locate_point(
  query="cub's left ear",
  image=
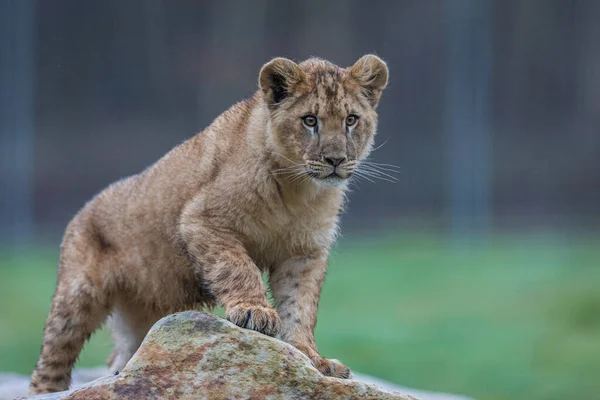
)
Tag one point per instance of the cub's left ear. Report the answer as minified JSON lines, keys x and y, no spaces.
{"x":277,"y":79}
{"x":371,"y":72}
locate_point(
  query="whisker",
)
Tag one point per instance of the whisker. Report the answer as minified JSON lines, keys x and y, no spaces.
{"x":287,"y":170}
{"x":380,"y":164}
{"x":378,"y":168}
{"x":375,"y":171}
{"x":288,"y":174}
{"x":354,"y":180}
{"x":298,"y":177}
{"x":306,"y":179}
{"x":284,"y":171}
{"x":376,"y":175}
{"x":380,"y":146}
{"x":282,"y":156}
{"x":359,"y":174}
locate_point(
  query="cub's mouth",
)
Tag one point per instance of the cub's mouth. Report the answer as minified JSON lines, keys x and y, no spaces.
{"x":334,"y":178}
{"x":329,"y":171}
{"x":335,"y":175}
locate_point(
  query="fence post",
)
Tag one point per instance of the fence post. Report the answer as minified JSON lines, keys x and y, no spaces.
{"x":17,"y":125}
{"x":468,"y":136}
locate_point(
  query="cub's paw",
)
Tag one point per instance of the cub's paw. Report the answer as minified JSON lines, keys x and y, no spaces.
{"x":262,"y":319}
{"x":332,"y":368}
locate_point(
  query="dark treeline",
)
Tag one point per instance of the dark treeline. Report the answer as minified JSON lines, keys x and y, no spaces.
{"x":118,"y":83}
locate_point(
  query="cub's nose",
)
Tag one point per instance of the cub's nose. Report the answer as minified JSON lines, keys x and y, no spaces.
{"x":335,"y":161}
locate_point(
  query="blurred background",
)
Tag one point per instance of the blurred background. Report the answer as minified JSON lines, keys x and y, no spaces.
{"x":478,"y":272}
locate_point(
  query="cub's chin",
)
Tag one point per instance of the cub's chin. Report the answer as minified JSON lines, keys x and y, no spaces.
{"x":331,"y":180}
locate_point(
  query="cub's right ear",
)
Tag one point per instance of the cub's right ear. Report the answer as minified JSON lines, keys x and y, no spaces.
{"x":277,"y":79}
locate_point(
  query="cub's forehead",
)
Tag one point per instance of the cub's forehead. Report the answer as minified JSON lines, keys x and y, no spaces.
{"x":330,"y":88}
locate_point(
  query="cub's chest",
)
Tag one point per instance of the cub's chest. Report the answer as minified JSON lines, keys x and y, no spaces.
{"x":290,"y":230}
{"x":274,"y":223}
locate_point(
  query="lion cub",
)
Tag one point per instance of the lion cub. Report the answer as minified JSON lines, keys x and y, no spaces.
{"x":259,"y":190}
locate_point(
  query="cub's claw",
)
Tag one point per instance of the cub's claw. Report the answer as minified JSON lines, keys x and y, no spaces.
{"x":262,"y":319}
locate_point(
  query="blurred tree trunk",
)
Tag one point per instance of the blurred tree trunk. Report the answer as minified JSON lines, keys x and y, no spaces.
{"x":16,"y":119}
{"x":230,"y":30}
{"x":157,"y":52}
{"x":588,"y":100}
{"x":467,"y":116}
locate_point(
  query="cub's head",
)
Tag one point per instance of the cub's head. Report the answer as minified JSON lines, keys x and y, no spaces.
{"x":322,"y":118}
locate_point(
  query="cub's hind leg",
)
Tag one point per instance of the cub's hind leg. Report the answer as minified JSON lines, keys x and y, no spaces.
{"x":79,"y":307}
{"x":129,"y":325}
{"x":74,"y":316}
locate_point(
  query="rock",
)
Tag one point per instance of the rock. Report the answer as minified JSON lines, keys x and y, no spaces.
{"x":192,"y":355}
{"x":421,"y":394}
{"x":14,"y":385}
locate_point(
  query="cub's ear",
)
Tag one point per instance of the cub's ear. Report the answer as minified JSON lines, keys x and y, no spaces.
{"x":277,"y":79}
{"x":371,"y":72}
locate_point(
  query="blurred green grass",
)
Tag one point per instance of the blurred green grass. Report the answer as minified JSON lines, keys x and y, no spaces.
{"x":517,"y":318}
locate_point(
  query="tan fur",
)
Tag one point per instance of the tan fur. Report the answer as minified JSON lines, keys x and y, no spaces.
{"x":251,"y":193}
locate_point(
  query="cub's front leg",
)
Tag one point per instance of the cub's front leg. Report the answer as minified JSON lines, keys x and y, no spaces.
{"x":296,"y":286}
{"x":232,"y":278}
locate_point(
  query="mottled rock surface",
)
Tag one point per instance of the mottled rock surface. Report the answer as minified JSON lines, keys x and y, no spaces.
{"x":192,"y":355}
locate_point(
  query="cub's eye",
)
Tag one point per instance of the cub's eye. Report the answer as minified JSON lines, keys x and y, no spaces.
{"x":351,"y":120}
{"x":310,"y":120}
